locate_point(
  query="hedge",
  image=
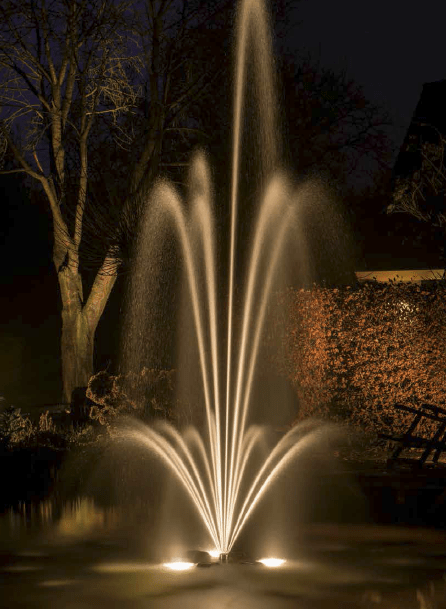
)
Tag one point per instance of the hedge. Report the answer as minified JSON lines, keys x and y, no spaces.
{"x":353,"y":352}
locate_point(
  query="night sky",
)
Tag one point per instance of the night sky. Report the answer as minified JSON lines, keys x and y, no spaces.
{"x":390,"y":47}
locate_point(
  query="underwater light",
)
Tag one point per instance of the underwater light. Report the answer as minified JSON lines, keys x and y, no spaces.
{"x":272,"y":562}
{"x":178,"y":565}
{"x":214,"y":553}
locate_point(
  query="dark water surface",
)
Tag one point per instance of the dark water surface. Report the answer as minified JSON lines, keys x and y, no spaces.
{"x":89,"y":559}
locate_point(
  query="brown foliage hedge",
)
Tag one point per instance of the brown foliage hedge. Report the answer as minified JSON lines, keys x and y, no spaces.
{"x":353,"y":352}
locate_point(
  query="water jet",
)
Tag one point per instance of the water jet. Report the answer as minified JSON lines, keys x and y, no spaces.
{"x":223,"y":465}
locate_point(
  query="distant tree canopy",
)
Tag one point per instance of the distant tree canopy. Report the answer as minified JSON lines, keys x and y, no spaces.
{"x":332,"y":127}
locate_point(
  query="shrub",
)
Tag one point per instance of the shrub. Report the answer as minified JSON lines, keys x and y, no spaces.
{"x":147,"y":395}
{"x":352,"y":353}
{"x":14,"y":427}
{"x":46,"y":423}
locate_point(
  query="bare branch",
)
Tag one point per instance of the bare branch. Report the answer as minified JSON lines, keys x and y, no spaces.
{"x":422,"y":193}
{"x":5,"y":172}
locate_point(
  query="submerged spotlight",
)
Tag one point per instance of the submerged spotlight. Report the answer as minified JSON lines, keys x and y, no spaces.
{"x":214,"y":553}
{"x":272,"y":562}
{"x":178,"y":565}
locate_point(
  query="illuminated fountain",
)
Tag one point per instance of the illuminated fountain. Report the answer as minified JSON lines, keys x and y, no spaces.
{"x":219,"y":466}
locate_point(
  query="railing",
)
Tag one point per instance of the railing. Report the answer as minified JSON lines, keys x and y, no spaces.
{"x":435,"y":444}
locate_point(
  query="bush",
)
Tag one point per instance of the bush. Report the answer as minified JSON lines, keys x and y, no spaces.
{"x":14,"y":427}
{"x":355,"y":352}
{"x":147,"y":395}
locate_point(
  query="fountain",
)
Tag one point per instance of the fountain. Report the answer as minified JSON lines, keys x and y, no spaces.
{"x":224,"y":463}
{"x":218,"y":466}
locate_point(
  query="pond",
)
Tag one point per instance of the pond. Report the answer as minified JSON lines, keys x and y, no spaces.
{"x":81,"y":555}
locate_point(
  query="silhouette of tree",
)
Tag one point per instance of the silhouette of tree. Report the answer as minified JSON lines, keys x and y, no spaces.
{"x":332,"y":127}
{"x":76,"y":76}
{"x":422,"y":192}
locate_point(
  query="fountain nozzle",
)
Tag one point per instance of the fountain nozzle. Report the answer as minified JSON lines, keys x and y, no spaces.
{"x":224,"y":558}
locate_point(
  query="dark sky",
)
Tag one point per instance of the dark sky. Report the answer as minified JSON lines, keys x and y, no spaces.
{"x":390,"y":47}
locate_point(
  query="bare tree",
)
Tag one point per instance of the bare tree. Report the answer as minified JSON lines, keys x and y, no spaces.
{"x":63,"y":63}
{"x":422,"y":192}
{"x":75,"y":73}
{"x":332,"y":126}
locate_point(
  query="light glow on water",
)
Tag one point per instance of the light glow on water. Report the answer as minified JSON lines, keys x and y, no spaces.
{"x":272,"y":562}
{"x":178,"y":565}
{"x":21,"y":568}
{"x":123,"y":567}
{"x":214,"y":553}
{"x":57,"y":583}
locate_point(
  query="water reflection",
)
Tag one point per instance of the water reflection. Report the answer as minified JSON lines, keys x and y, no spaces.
{"x":84,"y":518}
{"x":80,"y":518}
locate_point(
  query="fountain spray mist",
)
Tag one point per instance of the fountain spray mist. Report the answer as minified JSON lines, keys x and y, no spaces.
{"x":219,"y":466}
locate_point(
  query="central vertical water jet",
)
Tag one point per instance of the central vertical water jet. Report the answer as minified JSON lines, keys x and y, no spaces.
{"x":252,"y":24}
{"x":221,"y":467}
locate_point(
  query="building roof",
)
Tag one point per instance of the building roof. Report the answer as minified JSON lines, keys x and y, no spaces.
{"x":405,"y":276}
{"x":428,"y":124}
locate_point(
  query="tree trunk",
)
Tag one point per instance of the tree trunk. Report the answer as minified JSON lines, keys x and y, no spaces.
{"x":77,"y":347}
{"x":79,"y":323}
{"x":77,"y":337}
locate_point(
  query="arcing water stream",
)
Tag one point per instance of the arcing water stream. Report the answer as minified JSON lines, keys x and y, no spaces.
{"x":219,"y":467}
